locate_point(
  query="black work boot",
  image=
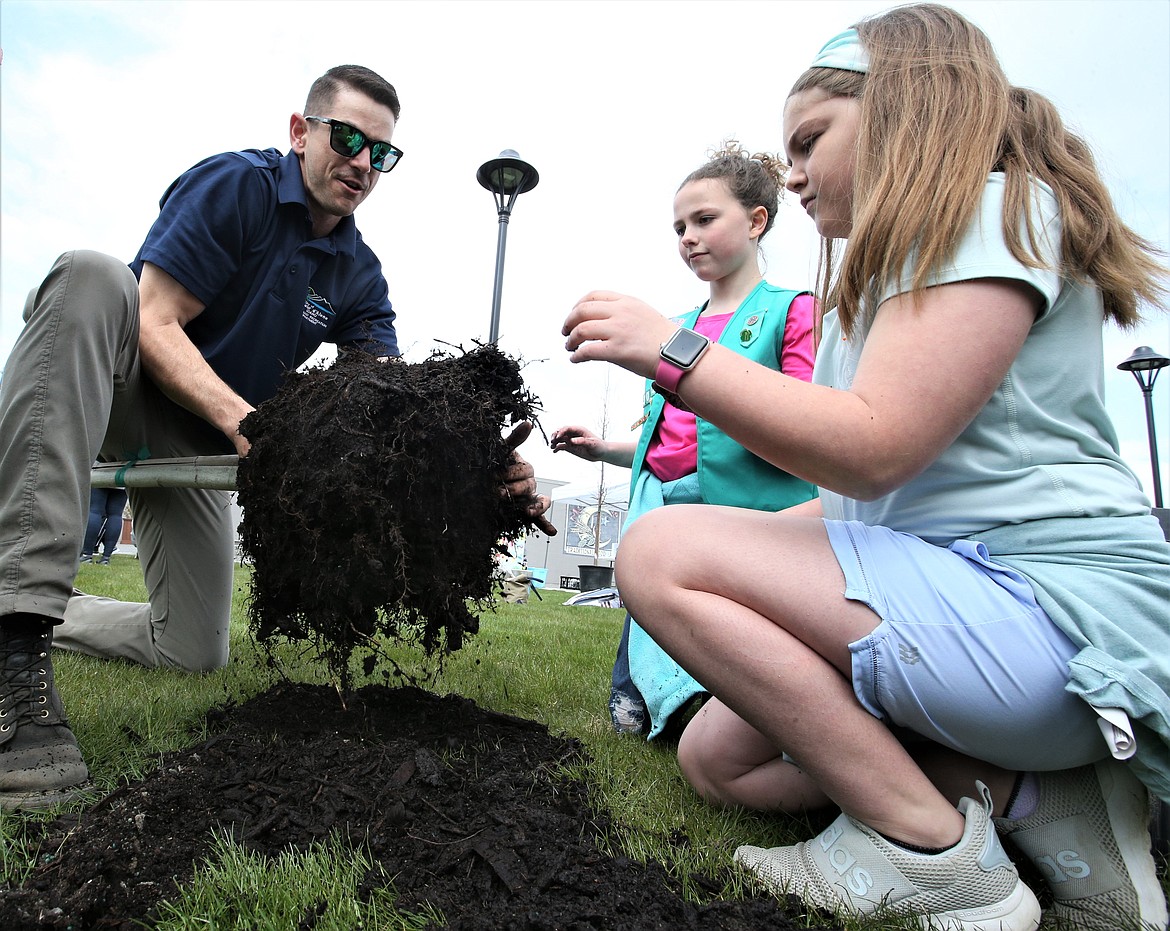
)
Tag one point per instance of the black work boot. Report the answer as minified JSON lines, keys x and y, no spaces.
{"x":40,"y":763}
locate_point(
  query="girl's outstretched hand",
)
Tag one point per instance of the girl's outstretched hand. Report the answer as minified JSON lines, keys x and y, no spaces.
{"x":612,"y":327}
{"x":580,"y":441}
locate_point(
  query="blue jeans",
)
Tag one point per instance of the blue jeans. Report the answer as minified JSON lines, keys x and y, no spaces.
{"x":105,"y":511}
{"x":627,"y":707}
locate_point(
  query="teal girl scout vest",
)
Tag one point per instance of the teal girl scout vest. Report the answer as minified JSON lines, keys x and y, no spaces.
{"x":728,"y":473}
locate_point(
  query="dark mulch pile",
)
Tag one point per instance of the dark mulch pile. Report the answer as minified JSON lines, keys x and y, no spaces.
{"x":372,"y":500}
{"x":467,"y":809}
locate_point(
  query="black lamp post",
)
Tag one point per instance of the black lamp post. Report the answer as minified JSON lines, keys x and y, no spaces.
{"x":507,"y":177}
{"x":1145,"y":365}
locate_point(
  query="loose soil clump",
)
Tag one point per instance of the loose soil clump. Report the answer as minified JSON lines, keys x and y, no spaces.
{"x":469,"y":811}
{"x":372,"y":500}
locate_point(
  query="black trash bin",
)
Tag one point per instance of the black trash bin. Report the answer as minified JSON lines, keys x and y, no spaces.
{"x":595,"y":577}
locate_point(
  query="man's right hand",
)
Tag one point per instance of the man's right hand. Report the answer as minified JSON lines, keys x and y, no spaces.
{"x":241,"y":443}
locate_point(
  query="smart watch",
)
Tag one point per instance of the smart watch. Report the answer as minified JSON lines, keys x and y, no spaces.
{"x":678,"y":356}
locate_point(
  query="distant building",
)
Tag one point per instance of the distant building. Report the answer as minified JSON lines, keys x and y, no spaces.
{"x":588,"y":530}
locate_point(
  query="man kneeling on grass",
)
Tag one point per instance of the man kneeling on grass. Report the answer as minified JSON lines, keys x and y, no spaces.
{"x":253,"y":262}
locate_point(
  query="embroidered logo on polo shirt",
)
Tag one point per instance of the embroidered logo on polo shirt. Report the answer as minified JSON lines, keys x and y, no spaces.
{"x":317,"y":309}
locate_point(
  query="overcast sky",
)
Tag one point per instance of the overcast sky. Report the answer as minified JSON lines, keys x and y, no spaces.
{"x":103,"y":104}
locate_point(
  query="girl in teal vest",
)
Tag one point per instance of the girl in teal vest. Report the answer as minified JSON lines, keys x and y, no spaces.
{"x":721,"y":213}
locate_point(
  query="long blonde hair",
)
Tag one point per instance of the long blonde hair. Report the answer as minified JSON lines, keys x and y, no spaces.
{"x":937,"y":116}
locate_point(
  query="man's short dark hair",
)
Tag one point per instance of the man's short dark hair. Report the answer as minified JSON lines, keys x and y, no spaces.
{"x":356,"y":77}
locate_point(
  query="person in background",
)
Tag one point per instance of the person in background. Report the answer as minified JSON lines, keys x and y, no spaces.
{"x":722,"y":212}
{"x":253,"y":262}
{"x":105,"y":524}
{"x":967,"y":635}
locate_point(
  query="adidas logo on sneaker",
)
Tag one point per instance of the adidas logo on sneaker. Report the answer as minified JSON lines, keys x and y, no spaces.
{"x":1063,"y":866}
{"x":857,"y":879}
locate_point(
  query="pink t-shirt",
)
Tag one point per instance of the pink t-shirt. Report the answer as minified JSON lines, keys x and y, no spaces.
{"x":673,"y":450}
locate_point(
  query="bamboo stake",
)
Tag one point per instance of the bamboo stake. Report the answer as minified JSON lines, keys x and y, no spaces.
{"x":193,"y":472}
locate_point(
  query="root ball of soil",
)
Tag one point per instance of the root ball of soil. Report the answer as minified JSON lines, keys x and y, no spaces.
{"x":372,"y":499}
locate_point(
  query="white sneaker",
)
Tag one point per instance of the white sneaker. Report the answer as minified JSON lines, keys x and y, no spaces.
{"x":1089,"y":837}
{"x":850,"y":869}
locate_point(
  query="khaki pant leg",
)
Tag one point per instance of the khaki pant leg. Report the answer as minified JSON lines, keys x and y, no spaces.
{"x":80,"y":339}
{"x":73,"y":388}
{"x":185,"y":538}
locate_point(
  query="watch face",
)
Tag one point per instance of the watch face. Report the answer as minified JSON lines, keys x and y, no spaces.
{"x":684,"y":348}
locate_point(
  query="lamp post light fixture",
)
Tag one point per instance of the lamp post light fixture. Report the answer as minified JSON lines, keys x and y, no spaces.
{"x":1145,"y":365}
{"x":507,"y":177}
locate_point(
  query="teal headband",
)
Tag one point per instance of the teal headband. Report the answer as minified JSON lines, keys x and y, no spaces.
{"x":844,"y":52}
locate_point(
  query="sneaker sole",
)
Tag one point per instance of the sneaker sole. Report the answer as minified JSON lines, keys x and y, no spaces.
{"x":49,"y":798}
{"x":1018,"y":912}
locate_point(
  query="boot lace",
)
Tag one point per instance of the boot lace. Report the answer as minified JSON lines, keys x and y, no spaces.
{"x":24,"y":687}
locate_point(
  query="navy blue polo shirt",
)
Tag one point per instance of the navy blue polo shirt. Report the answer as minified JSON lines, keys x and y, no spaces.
{"x":235,"y":231}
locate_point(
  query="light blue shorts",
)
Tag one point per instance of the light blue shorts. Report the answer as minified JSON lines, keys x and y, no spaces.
{"x":964,"y":655}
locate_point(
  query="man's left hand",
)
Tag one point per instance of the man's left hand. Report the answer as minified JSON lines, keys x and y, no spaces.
{"x":519,"y":483}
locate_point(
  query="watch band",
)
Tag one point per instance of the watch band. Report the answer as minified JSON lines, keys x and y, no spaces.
{"x":678,"y":356}
{"x":668,"y":375}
